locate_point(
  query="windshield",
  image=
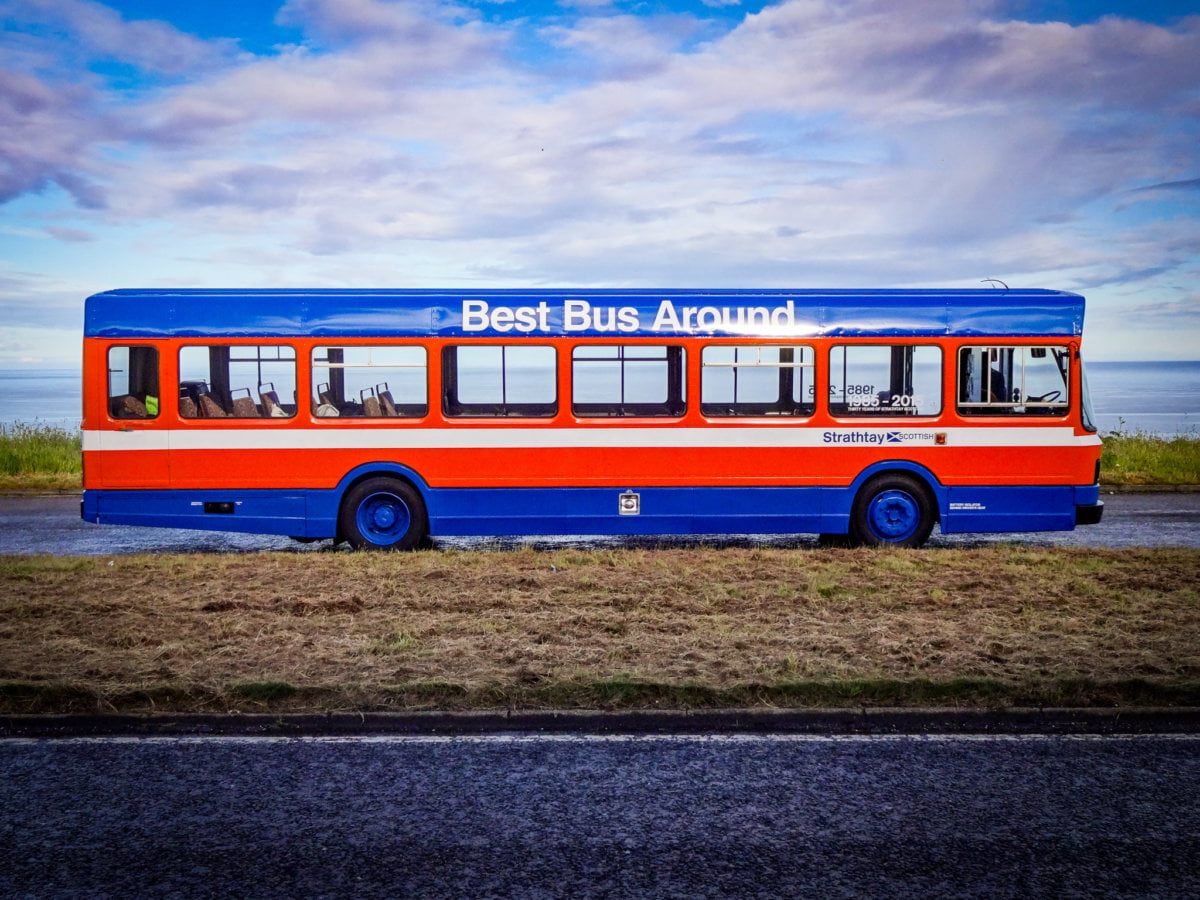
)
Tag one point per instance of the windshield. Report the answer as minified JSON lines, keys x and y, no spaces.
{"x":1089,"y":417}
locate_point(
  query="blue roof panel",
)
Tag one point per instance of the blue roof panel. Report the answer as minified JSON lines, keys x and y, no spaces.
{"x":590,"y":313}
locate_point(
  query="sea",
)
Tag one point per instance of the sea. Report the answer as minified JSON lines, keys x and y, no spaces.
{"x":1156,"y":398}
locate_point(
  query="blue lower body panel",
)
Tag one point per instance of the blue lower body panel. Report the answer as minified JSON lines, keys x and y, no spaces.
{"x":607,"y":511}
{"x":999,"y":509}
{"x":752,"y":510}
{"x":252,"y":512}
{"x":490,"y":511}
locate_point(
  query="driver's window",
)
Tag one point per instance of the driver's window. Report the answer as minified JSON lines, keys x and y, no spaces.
{"x":1014,"y":381}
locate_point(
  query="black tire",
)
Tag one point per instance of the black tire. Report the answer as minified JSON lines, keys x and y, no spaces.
{"x":383,"y":513}
{"x":896,"y":510}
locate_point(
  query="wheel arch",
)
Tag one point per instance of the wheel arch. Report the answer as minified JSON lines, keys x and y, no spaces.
{"x":372,"y":469}
{"x":382,"y":507}
{"x":893,"y":466}
{"x":361,"y":473}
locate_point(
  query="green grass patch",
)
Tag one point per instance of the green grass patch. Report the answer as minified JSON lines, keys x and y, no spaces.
{"x":262,"y":691}
{"x":39,"y":457}
{"x":45,"y":458}
{"x":1137,"y":458}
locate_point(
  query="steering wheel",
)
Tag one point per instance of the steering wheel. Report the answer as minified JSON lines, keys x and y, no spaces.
{"x":1049,"y":397}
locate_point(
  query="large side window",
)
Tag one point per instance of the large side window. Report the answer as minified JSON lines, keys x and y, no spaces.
{"x":237,"y":381}
{"x":627,"y":380}
{"x":885,"y":380}
{"x":370,"y":382}
{"x":499,"y":380}
{"x":133,"y":382}
{"x":1013,"y":381}
{"x":757,"y":381}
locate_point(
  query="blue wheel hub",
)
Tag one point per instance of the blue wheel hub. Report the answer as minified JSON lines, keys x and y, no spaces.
{"x":383,"y":518}
{"x":894,"y":515}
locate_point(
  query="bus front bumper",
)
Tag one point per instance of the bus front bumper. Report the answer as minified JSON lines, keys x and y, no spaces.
{"x":1089,"y":513}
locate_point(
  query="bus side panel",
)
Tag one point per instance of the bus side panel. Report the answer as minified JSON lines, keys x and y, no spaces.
{"x":250,"y":512}
{"x":998,"y":509}
{"x":549,"y":511}
{"x":770,"y":510}
{"x":554,"y":463}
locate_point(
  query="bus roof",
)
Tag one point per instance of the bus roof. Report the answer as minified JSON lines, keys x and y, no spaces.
{"x":326,"y":313}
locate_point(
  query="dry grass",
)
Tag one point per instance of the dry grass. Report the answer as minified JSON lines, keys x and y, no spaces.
{"x":675,"y":627}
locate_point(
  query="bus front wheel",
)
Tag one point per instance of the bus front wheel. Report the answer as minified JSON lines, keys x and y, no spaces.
{"x":893,"y":510}
{"x":383,"y":514}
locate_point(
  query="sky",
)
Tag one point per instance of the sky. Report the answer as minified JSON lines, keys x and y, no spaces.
{"x":588,"y":143}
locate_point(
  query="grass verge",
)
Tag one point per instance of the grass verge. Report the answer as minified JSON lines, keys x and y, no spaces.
{"x":620,"y":629}
{"x":43,"y":458}
{"x":39,"y":457}
{"x":1134,"y":458}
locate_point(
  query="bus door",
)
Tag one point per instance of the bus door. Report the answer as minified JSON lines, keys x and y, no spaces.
{"x":133,"y":441}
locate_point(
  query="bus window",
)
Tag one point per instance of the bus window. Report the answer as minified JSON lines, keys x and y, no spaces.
{"x":369,"y":382}
{"x":627,"y":380}
{"x":1013,"y":381}
{"x":237,"y":381}
{"x":757,"y":381}
{"x":885,"y":380}
{"x":499,"y":380}
{"x":133,"y":382}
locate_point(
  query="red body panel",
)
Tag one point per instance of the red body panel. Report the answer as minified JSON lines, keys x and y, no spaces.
{"x":304,"y":451}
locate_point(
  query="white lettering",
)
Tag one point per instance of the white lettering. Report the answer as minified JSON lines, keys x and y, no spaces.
{"x":478,"y":316}
{"x":754,"y":316}
{"x":666,"y":319}
{"x":604,"y":318}
{"x":526,"y":317}
{"x":475,"y":315}
{"x":576,"y":315}
{"x":627,"y":319}
{"x":502,"y":318}
{"x":710,"y":317}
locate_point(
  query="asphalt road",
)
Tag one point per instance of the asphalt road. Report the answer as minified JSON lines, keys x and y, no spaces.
{"x":51,"y":524}
{"x":575,"y":816}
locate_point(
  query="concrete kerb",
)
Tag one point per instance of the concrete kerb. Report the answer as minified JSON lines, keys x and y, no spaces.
{"x":1149,"y":488}
{"x":1109,"y":721}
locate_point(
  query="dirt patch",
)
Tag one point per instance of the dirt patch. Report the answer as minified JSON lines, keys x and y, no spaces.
{"x":677,"y":627}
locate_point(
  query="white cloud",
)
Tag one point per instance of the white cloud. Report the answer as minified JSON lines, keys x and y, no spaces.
{"x":816,"y":142}
{"x":86,"y":29}
{"x":47,"y":134}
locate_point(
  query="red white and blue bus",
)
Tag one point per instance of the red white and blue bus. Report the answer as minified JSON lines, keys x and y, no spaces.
{"x":383,"y":417}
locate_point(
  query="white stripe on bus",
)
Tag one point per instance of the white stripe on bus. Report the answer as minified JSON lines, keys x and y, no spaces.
{"x":475,"y":438}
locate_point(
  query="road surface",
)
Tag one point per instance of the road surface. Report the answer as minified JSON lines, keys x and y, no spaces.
{"x":580,"y":816}
{"x":42,"y":524}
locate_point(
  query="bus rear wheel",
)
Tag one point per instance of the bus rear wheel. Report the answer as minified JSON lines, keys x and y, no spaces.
{"x":383,"y":514}
{"x":893,"y":510}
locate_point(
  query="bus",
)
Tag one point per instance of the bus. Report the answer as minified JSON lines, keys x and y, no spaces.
{"x":383,"y":418}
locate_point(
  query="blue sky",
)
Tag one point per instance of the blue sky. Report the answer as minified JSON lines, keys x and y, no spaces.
{"x":807,"y":143}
